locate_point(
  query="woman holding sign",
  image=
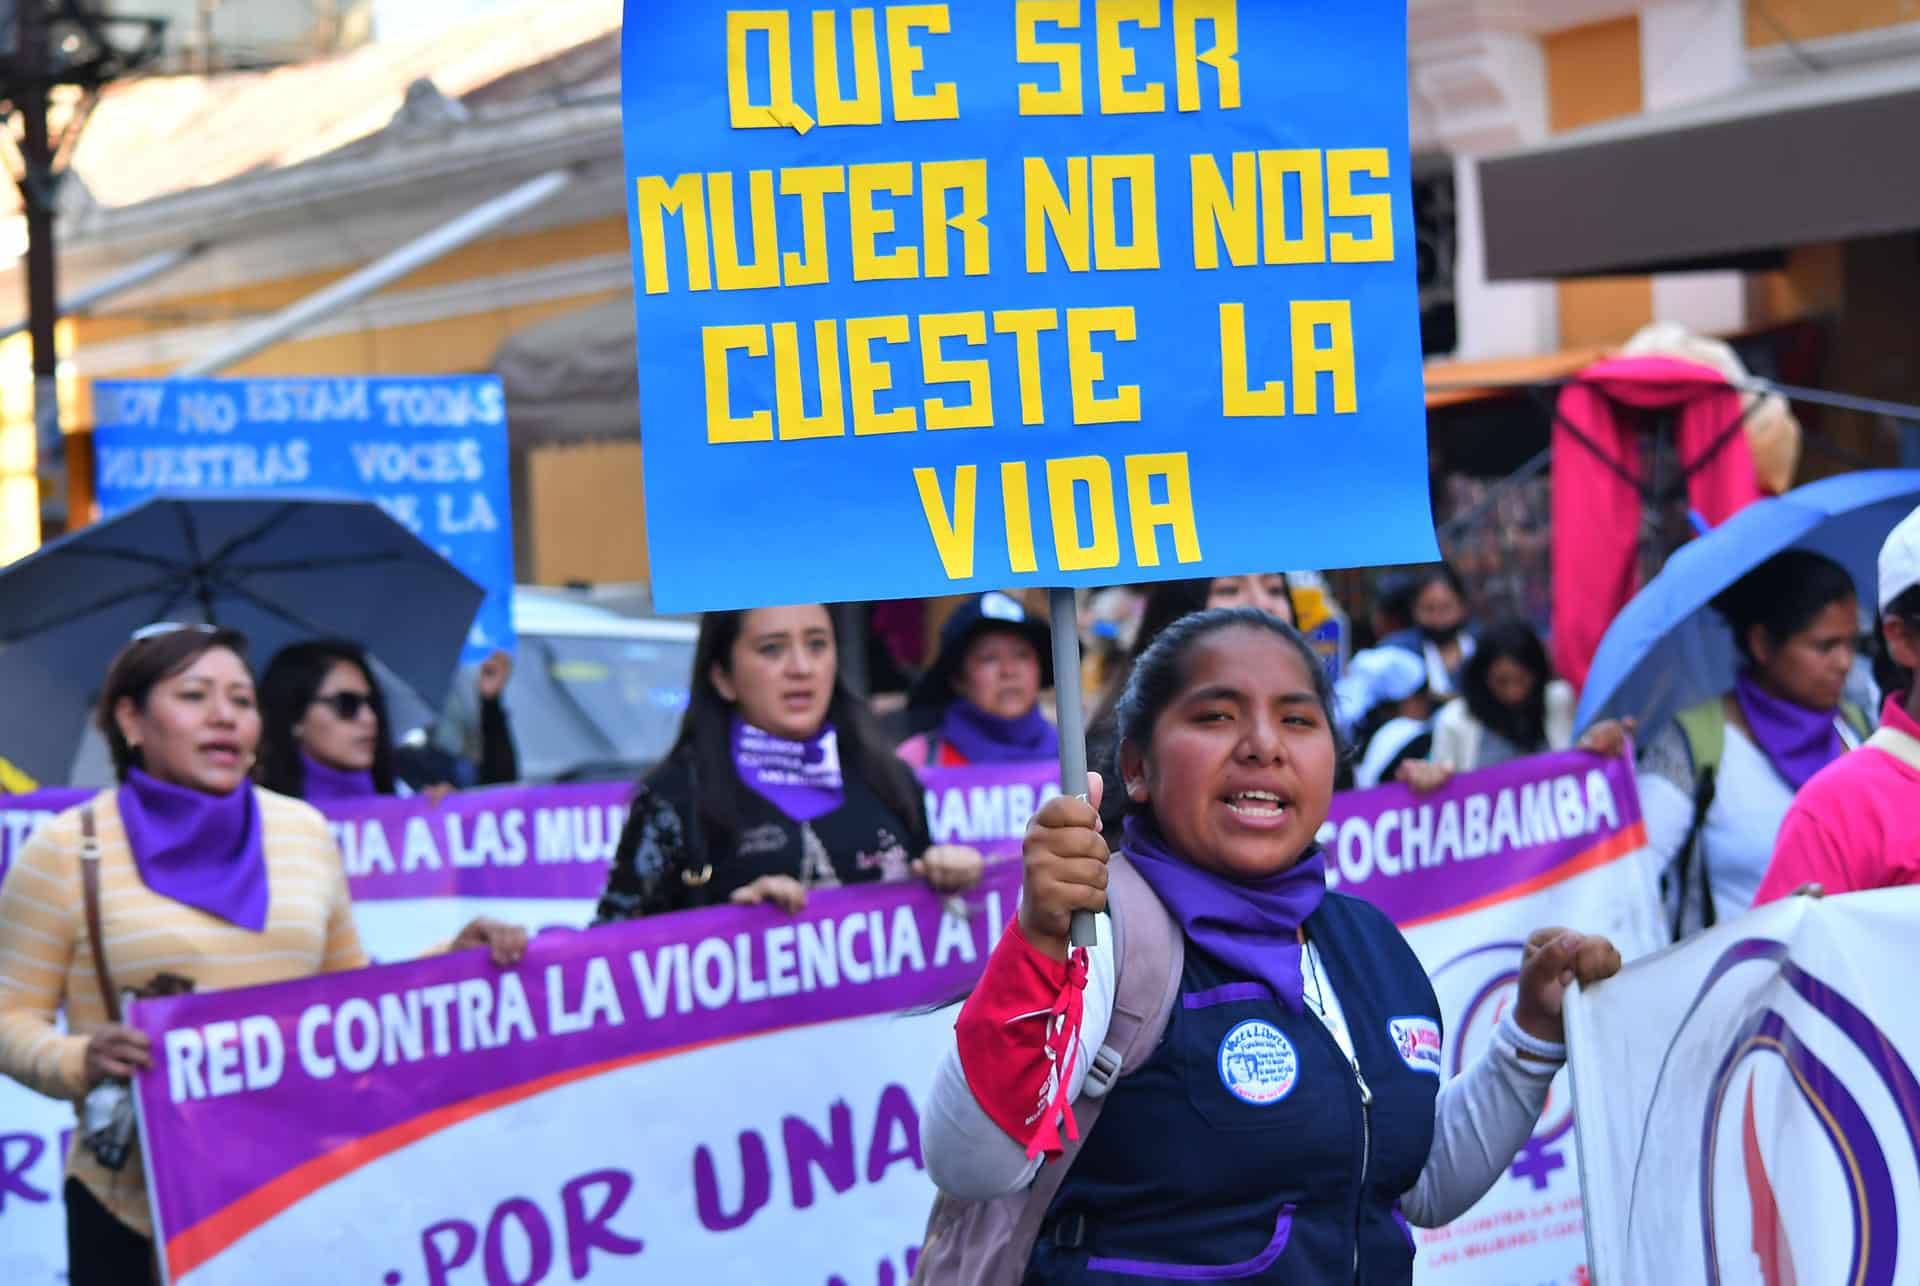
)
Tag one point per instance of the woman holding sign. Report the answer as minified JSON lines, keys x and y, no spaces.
{"x":1289,"y":1121}
{"x":185,"y":877}
{"x":985,"y":687}
{"x":778,"y":783}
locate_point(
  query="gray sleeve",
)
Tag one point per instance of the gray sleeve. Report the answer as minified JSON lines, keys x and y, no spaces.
{"x":1482,"y":1119}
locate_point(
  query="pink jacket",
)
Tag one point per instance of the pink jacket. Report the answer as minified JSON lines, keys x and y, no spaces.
{"x":1856,"y":825}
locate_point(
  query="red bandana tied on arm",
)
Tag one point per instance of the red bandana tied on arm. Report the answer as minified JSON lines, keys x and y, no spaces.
{"x":1019,"y":1034}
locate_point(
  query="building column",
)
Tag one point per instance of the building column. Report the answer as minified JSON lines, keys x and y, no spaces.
{"x":1690,"y":50}
{"x":1477,"y":91}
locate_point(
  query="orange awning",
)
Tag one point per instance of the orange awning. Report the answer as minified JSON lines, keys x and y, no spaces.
{"x":1451,"y":383}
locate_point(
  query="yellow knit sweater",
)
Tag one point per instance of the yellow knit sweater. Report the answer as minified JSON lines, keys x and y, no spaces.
{"x":46,"y":961}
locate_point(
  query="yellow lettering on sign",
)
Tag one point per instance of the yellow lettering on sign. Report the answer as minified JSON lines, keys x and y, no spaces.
{"x":1149,"y":515}
{"x":864,"y":107}
{"x":1117,"y":61}
{"x":867,"y":376}
{"x":1087,"y":367}
{"x":716,"y":343}
{"x":938,"y":368}
{"x":904,"y":58}
{"x":1375,"y":207}
{"x":869,"y":223}
{"x":1235,"y":213}
{"x":811,"y":183}
{"x":952,"y":530}
{"x":1067,"y":99}
{"x":1311,"y":245}
{"x":728,"y":271}
{"x":779,"y":111}
{"x":1312,"y":359}
{"x":1144,"y":251}
{"x":969,"y":179}
{"x":1016,"y":503}
{"x":1101,"y":547}
{"x":1025,"y":325}
{"x":1236,"y":398}
{"x":1065,"y":214}
{"x":656,"y":198}
{"x":790,"y":393}
{"x":1187,"y":17}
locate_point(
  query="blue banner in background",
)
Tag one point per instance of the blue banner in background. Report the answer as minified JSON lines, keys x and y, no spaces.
{"x":430,"y":450}
{"x":937,"y":298}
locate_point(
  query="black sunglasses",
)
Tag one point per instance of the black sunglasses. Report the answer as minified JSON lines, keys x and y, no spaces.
{"x":346,"y":706}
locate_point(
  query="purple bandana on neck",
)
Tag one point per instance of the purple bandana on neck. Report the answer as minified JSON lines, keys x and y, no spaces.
{"x":1798,"y":742}
{"x":1249,"y":925}
{"x":988,"y":739}
{"x":800,"y":778}
{"x":204,"y":850}
{"x":326,"y":784}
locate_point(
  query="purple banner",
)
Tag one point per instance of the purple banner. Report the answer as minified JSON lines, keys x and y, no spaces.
{"x":987,"y":806}
{"x":1485,"y":837}
{"x":507,"y":842}
{"x":324,"y":1074}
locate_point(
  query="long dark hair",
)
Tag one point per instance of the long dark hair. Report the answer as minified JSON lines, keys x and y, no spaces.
{"x":1516,"y":641}
{"x":1170,"y":600}
{"x":1161,"y":670}
{"x":143,"y":665}
{"x":704,"y":746}
{"x":287,"y":689}
{"x":1887,"y":672}
{"x":1783,"y":596}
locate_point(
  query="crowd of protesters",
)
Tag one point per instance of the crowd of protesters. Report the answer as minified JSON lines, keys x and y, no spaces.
{"x":783,"y":781}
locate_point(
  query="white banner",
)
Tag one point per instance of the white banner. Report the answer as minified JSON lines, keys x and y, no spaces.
{"x":1467,"y":873}
{"x":1749,"y":1111}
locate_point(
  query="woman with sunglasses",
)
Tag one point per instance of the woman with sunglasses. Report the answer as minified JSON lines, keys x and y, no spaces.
{"x":324,"y":725}
{"x":203,"y":883}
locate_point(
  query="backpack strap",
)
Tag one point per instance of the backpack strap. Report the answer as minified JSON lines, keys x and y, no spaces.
{"x":969,"y":1243}
{"x":1149,"y":954}
{"x":1902,"y":746}
{"x":1704,"y":726}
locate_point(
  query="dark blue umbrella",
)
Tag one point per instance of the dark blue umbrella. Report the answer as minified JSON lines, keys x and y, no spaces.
{"x":279,"y":568}
{"x":1668,"y":648}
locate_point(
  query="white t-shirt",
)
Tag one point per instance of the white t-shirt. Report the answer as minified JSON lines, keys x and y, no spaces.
{"x":1750,"y":801}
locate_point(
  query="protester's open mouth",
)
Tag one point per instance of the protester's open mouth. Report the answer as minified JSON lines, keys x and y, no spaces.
{"x":224,"y":753}
{"x":797,"y":700}
{"x":1261,"y":807}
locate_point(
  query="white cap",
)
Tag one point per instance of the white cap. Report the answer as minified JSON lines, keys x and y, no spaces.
{"x":1900,"y":560}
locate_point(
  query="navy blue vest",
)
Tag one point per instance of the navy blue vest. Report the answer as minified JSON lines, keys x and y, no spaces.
{"x":1242,"y":1151}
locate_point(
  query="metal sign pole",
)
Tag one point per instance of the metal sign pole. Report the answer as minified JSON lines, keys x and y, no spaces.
{"x":1070,"y":712}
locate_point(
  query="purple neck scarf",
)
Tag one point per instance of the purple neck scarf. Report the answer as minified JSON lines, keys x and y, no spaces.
{"x":800,"y":778}
{"x":325,"y":784}
{"x":1798,"y":742}
{"x":988,"y":739}
{"x":1252,"y":926}
{"x":207,"y":851}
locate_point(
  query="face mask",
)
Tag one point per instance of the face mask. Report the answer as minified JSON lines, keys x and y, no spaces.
{"x":1441,"y":637}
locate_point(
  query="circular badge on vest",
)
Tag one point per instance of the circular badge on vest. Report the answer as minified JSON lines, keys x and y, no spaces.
{"x":1257,"y":1063}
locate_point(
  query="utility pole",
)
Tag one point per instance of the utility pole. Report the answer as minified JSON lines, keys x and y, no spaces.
{"x":54,"y":43}
{"x":39,"y":195}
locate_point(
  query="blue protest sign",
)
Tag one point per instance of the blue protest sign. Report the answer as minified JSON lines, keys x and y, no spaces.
{"x":939,"y":297}
{"x":430,"y":450}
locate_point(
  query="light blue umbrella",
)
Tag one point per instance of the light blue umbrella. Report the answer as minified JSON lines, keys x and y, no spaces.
{"x":1669,"y":649}
{"x":279,"y":568}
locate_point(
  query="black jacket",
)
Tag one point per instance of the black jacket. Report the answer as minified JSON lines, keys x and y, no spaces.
{"x":665,"y":860}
